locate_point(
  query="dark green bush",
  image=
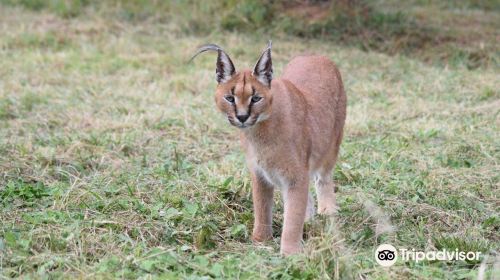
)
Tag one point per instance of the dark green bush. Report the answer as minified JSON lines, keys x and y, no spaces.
{"x":247,"y":15}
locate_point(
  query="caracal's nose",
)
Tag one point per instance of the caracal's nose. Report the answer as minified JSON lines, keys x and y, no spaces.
{"x":242,"y":118}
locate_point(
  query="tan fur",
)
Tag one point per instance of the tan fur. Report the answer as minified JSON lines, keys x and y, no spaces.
{"x":292,"y":136}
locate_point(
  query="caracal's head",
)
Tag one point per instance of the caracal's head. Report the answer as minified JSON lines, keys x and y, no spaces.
{"x":243,"y":96}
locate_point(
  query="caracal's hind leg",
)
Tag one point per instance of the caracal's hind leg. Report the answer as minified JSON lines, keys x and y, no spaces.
{"x":325,"y":192}
{"x":310,"y":210}
{"x":323,"y":181}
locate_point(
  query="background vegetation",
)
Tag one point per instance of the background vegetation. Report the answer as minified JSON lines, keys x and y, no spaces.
{"x":115,"y":163}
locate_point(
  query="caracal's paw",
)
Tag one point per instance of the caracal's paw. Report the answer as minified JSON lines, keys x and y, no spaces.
{"x":262,"y":236}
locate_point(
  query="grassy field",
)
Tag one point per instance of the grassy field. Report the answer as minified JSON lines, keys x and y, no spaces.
{"x":114,"y":162}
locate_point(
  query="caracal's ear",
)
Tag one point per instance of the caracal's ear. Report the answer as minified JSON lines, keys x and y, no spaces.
{"x":224,"y":67}
{"x":263,"y":70}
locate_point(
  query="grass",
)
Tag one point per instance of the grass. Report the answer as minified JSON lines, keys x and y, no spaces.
{"x":115,"y":164}
{"x":437,"y":32}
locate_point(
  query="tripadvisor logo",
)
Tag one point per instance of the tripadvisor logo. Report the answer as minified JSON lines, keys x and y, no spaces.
{"x":387,"y":255}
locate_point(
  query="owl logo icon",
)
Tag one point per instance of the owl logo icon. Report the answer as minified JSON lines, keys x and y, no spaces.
{"x":386,"y":255}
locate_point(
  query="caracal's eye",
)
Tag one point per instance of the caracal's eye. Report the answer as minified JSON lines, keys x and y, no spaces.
{"x":229,"y":98}
{"x":256,"y":98}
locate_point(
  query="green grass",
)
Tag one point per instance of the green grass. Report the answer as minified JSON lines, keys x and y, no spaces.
{"x":457,"y":33}
{"x":114,"y":162}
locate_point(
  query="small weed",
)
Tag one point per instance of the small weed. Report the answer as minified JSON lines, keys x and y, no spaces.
{"x":28,"y":193}
{"x":462,"y":156}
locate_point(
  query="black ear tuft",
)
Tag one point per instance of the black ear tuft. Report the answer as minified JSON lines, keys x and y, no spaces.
{"x":224,"y":66}
{"x":263,"y":70}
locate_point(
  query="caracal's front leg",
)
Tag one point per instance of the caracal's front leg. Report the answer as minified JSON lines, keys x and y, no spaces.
{"x":296,"y":197}
{"x":263,"y":193}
